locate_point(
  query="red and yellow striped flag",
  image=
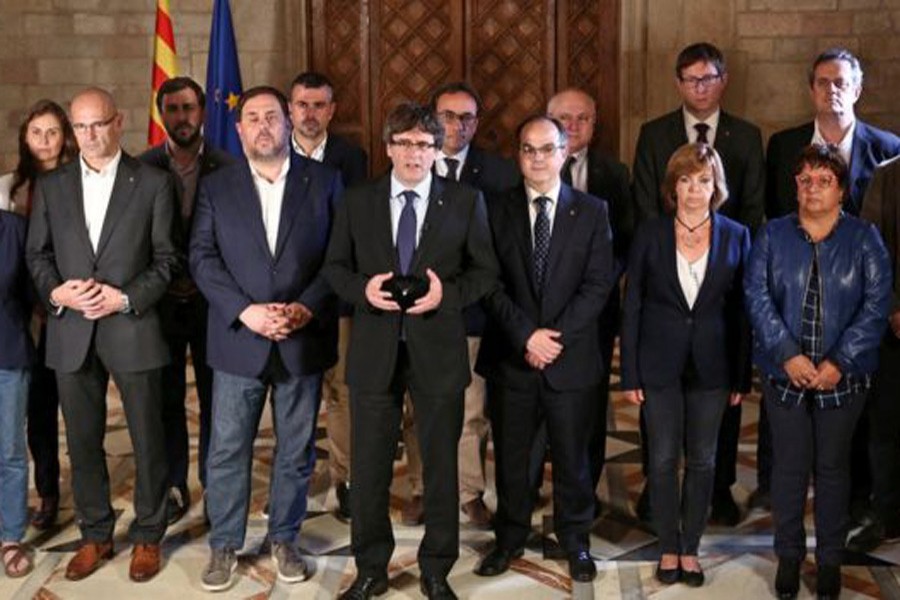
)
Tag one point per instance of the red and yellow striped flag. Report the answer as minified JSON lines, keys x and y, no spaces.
{"x":165,"y":66}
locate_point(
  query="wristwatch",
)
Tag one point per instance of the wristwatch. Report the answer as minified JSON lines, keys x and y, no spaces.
{"x":127,"y":304}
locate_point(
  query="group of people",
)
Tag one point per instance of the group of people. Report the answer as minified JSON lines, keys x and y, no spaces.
{"x":460,"y":293}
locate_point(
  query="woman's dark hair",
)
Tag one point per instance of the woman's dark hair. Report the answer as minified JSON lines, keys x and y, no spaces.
{"x":821,"y":156}
{"x":28,"y":169}
{"x":690,"y":159}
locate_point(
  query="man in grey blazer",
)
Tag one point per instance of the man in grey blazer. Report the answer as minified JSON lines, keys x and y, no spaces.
{"x":701,"y":79}
{"x":102,"y":251}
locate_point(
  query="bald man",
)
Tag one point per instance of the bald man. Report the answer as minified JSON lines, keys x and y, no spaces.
{"x":102,"y":251}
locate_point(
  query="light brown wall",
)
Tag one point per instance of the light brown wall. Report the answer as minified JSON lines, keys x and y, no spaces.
{"x":769,"y":45}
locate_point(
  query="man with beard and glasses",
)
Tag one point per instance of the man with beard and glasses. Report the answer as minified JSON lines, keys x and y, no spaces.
{"x":189,"y":158}
{"x":258,"y":242}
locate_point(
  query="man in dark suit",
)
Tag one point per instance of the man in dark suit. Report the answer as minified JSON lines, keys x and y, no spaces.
{"x":312,"y":107}
{"x":260,"y":233}
{"x":835,"y":85}
{"x":408,"y":223}
{"x":457,"y":106}
{"x":701,"y":78}
{"x":102,"y":249}
{"x":541,"y":349}
{"x":588,"y":170}
{"x":182,"y":310}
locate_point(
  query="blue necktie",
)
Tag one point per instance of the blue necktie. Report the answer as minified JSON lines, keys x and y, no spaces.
{"x":541,"y":241}
{"x":406,"y":232}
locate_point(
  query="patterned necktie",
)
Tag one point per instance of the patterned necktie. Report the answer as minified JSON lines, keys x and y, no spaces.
{"x":702,"y":129}
{"x":406,"y":231}
{"x":541,"y":240}
{"x":566,"y":173}
{"x":452,"y":166}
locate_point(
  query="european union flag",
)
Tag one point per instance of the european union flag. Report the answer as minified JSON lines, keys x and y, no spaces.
{"x":223,"y":82}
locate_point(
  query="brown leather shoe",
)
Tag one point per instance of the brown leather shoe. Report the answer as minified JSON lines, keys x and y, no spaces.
{"x":413,"y":512}
{"x":88,"y":559}
{"x":145,"y":559}
{"x":478,"y":513}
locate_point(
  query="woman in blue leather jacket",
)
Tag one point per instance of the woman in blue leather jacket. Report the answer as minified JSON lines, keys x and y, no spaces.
{"x":818,"y":289}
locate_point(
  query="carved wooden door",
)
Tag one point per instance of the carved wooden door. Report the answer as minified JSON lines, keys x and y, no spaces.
{"x":516,"y":53}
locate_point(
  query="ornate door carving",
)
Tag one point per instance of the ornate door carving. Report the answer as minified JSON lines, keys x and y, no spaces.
{"x":515,"y":52}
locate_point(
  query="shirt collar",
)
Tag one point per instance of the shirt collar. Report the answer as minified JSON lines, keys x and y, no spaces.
{"x":580,"y":156}
{"x":423,"y":188}
{"x":460,"y":156}
{"x":282,"y":175}
{"x":320,"y":147}
{"x":690,"y":120}
{"x":845,"y":145}
{"x":108,"y":170}
{"x":806,"y":236}
{"x":552,"y":193}
{"x":171,"y":154}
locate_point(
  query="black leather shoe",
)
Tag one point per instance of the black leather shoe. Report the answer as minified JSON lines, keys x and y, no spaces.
{"x":582,"y":567}
{"x":692,"y":578}
{"x":787,"y":579}
{"x":436,"y":587}
{"x":177,"y":503}
{"x":725,"y":510}
{"x":342,"y":491}
{"x":828,"y":582}
{"x":364,"y":588}
{"x":497,"y":562}
{"x":668,"y":576}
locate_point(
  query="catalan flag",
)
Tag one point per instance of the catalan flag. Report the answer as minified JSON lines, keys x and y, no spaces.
{"x":223,"y":82}
{"x":165,"y":66}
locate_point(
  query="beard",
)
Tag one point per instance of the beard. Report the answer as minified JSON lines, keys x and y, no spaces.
{"x":183,"y":137}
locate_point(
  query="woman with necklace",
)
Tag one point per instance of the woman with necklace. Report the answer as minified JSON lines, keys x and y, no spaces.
{"x":818,"y":292}
{"x":685,"y":347}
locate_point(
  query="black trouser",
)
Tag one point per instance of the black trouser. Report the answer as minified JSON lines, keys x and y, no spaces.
{"x":82,"y":395}
{"x":807,"y":440}
{"x":884,"y":434}
{"x":515,"y":414}
{"x":43,"y":423}
{"x":184,"y":325}
{"x":375,"y":429}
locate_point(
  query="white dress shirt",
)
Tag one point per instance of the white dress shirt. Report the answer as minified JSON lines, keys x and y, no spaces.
{"x":579,"y":170}
{"x":420,"y":204}
{"x":532,"y":194}
{"x":440,"y":166}
{"x":317,"y":154}
{"x":691,"y":275}
{"x":97,"y":189}
{"x":845,"y":147}
{"x":271,"y":197}
{"x":690,"y":120}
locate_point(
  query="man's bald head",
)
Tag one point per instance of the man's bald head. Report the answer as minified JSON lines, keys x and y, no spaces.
{"x":577,"y":111}
{"x":97,"y":124}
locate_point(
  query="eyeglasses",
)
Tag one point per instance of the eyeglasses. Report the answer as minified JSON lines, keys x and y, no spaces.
{"x":581,"y":119}
{"x":533,"y":153}
{"x":700,"y":82}
{"x":95,"y":126}
{"x":464,"y":119}
{"x":408,"y":145}
{"x":823,"y":83}
{"x":808,"y":181}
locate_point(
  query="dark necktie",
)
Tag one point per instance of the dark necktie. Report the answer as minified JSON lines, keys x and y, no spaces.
{"x":541,"y":240}
{"x":452,"y":166}
{"x":702,"y":129}
{"x":406,"y":231}
{"x":566,"y":174}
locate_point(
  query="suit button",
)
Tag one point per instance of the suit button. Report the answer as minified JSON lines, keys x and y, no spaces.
{"x":689,"y":320}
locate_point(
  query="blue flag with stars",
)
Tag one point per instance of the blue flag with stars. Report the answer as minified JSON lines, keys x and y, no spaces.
{"x":223,"y":82}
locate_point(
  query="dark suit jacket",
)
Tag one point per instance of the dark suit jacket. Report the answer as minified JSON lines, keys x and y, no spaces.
{"x":871,"y":146}
{"x":16,"y":348}
{"x":138,"y":253}
{"x":579,"y":279}
{"x":738,"y":142}
{"x":661,"y":336}
{"x":608,"y":180}
{"x":233,"y":267}
{"x":882,"y":207}
{"x":455,"y":243}
{"x":350,"y":160}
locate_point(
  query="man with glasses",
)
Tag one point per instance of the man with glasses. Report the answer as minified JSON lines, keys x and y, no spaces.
{"x":102,"y":250}
{"x":457,"y":106}
{"x":701,"y":78}
{"x":835,"y":85}
{"x":189,"y":157}
{"x":588,"y":170}
{"x":312,"y":108}
{"x":541,"y":351}
{"x":431,"y":234}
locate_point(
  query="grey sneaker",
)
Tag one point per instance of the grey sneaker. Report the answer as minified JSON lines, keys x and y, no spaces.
{"x":219,"y":572}
{"x":289,"y":564}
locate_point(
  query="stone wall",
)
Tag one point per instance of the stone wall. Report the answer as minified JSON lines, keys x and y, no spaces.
{"x":52,"y":48}
{"x":769,"y":45}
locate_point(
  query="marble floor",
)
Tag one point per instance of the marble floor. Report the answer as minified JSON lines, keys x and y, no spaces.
{"x":738,"y":562}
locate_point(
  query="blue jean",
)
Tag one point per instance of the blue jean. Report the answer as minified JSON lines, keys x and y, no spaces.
{"x":689,"y":419}
{"x":13,"y":454}
{"x":236,"y":409}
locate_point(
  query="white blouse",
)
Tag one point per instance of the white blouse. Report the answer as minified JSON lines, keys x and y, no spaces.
{"x":690,"y":275}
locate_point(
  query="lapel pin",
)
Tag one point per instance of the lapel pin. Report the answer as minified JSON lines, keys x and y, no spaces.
{"x":572,"y":212}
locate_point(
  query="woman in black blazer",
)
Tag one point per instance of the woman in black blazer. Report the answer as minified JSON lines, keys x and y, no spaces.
{"x":685,"y":347}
